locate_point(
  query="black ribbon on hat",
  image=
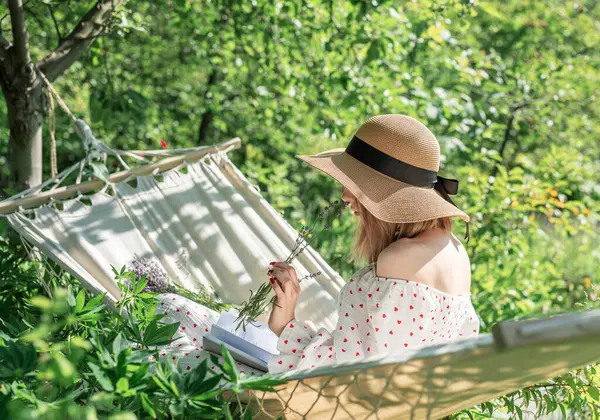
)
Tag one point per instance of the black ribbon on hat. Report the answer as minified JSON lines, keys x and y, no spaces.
{"x":402,"y":171}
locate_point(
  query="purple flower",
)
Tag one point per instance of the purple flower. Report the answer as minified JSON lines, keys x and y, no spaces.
{"x":150,"y":269}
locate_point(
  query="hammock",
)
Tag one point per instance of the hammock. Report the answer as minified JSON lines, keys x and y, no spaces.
{"x":209,"y":226}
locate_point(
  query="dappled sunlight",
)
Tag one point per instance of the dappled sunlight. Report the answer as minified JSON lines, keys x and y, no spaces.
{"x":228,"y":231}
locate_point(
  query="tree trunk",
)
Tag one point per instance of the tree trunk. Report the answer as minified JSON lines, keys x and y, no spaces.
{"x":22,"y":86}
{"x":25,"y":119}
{"x":24,"y":101}
{"x":25,"y":104}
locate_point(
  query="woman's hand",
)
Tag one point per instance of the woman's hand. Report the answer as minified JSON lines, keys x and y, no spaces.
{"x":287,"y":289}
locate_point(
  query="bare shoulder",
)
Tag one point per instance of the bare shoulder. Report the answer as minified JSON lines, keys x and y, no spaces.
{"x":441,"y":262}
{"x":400,"y":259}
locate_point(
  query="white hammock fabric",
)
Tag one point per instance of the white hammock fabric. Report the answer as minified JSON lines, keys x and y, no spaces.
{"x":207,"y":227}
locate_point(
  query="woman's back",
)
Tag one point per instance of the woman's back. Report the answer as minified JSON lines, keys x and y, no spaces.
{"x":435,"y":258}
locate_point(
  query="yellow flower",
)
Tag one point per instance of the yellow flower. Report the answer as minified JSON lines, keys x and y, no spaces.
{"x":585,"y":211}
{"x":552,"y":192}
{"x":575,"y":211}
{"x":514,"y":204}
{"x":531,"y":217}
{"x":551,"y":220}
{"x":587,"y":282}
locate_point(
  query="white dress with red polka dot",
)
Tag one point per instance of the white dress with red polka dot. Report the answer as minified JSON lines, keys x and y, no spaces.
{"x":377,"y":315}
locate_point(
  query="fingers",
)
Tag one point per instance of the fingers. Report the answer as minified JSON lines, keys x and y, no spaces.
{"x":276,"y":288}
{"x":282,"y":278}
{"x":286,"y":274}
{"x":285,"y":270}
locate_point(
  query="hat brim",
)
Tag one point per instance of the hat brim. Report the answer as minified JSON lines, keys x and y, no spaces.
{"x":386,"y":198}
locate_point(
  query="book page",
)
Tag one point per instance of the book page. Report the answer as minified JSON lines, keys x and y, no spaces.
{"x":258,"y":334}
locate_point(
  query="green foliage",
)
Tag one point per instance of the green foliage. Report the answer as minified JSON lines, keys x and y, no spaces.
{"x":82,"y":360}
{"x":510,"y":91}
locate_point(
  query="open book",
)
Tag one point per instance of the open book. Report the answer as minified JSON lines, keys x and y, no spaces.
{"x":253,"y":347}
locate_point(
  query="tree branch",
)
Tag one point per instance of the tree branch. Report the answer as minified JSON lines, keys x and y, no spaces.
{"x":507,"y":130}
{"x":78,"y":41}
{"x":20,"y":44}
{"x":55,"y":25}
{"x":207,"y":117}
{"x":509,"y":124}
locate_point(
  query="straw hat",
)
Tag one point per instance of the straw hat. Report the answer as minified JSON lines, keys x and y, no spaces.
{"x":391,"y":166}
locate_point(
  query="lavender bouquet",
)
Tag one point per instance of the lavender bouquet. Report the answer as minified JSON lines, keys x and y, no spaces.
{"x":155,"y":275}
{"x":259,"y":302}
{"x":158,"y":282}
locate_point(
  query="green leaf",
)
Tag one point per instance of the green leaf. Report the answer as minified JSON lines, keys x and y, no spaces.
{"x":373,"y":52}
{"x":17,"y":359}
{"x":177,"y":409}
{"x":117,"y":344}
{"x":101,"y":377}
{"x":147,"y":405}
{"x":161,"y":384}
{"x":122,"y":385}
{"x":70,"y":298}
{"x":261,"y":383}
{"x":140,"y":285}
{"x":594,"y":393}
{"x":571,"y":382}
{"x":519,"y":412}
{"x":229,"y":366}
{"x":159,"y":336}
{"x":94,"y":302}
{"x":215,"y":359}
{"x":563,"y":410}
{"x":491,"y":9}
{"x":139,"y":376}
{"x":196,"y":377}
{"x":207,"y":389}
{"x":248,"y":413}
{"x":80,"y":301}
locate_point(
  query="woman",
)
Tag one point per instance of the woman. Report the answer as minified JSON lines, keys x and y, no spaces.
{"x":415,"y":290}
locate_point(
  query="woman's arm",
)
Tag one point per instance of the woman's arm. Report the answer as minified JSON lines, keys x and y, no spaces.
{"x":287,"y":289}
{"x":300,"y":345}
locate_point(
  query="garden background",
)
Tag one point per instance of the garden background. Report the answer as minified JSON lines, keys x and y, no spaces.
{"x":509,"y":88}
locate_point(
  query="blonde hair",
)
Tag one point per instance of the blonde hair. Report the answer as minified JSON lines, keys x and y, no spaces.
{"x":374,"y":235}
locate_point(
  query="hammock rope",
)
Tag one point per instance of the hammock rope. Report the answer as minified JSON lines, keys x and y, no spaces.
{"x":98,"y":151}
{"x":52,"y":130}
{"x":60,"y":100}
